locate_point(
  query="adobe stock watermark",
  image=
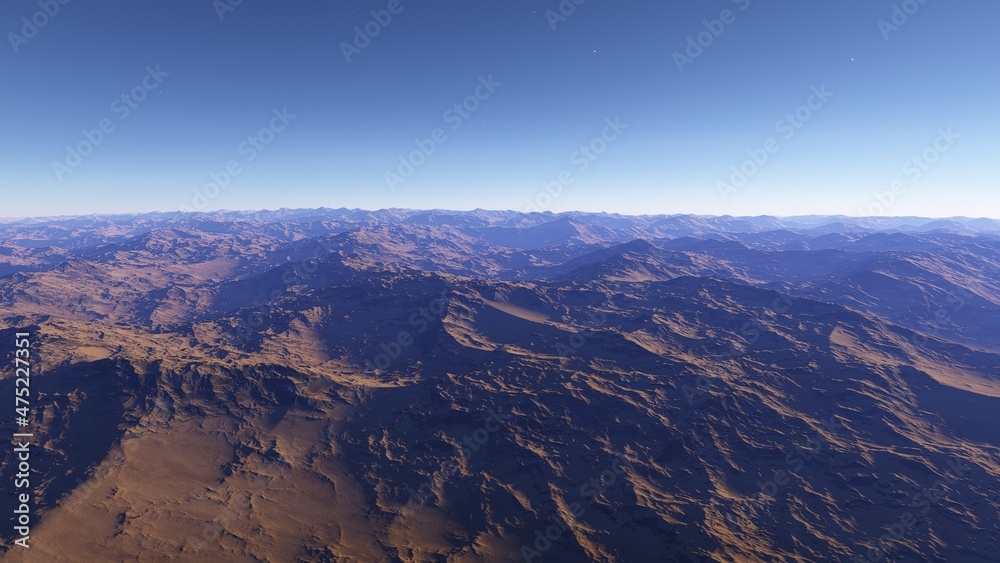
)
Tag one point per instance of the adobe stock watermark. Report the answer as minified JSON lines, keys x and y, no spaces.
{"x":714,"y":28}
{"x":702,"y":383}
{"x":122,"y":107}
{"x":750,"y":331}
{"x":419,"y":321}
{"x":364,"y":35}
{"x":577,"y":340}
{"x":223,"y":7}
{"x":954,"y":302}
{"x":31,"y":26}
{"x":470,"y":444}
{"x":581,"y":158}
{"x":456,"y":116}
{"x":901,"y":14}
{"x":249,"y":150}
{"x":566,"y":8}
{"x":920,"y":504}
{"x":298,"y":273}
{"x":913,"y":169}
{"x":589,"y":491}
{"x":795,"y":461}
{"x":786,"y":127}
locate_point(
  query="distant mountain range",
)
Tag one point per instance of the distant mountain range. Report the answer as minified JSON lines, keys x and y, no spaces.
{"x":403,"y":385}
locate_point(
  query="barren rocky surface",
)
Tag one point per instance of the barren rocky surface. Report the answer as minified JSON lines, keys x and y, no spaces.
{"x":337,"y":385}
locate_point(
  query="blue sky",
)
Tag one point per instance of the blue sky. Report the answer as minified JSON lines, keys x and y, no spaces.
{"x":304,"y":111}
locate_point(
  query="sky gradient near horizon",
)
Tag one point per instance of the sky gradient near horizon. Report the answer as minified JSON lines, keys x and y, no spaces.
{"x":306,"y":111}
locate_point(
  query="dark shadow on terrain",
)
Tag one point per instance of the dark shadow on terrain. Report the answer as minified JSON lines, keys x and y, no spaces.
{"x":85,"y":408}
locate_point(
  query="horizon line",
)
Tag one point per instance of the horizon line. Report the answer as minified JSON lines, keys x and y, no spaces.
{"x":9,"y":219}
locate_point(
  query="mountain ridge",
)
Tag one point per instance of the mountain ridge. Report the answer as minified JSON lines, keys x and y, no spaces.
{"x":322,"y":385}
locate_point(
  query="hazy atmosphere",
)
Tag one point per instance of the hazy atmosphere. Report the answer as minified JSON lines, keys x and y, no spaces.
{"x":499,"y":281}
{"x":501,"y":100}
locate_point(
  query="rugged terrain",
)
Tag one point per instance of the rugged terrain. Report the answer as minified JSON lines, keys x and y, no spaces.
{"x":342,"y":385}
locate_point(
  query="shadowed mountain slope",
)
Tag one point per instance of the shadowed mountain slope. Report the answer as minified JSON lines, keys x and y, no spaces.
{"x":438,"y":387}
